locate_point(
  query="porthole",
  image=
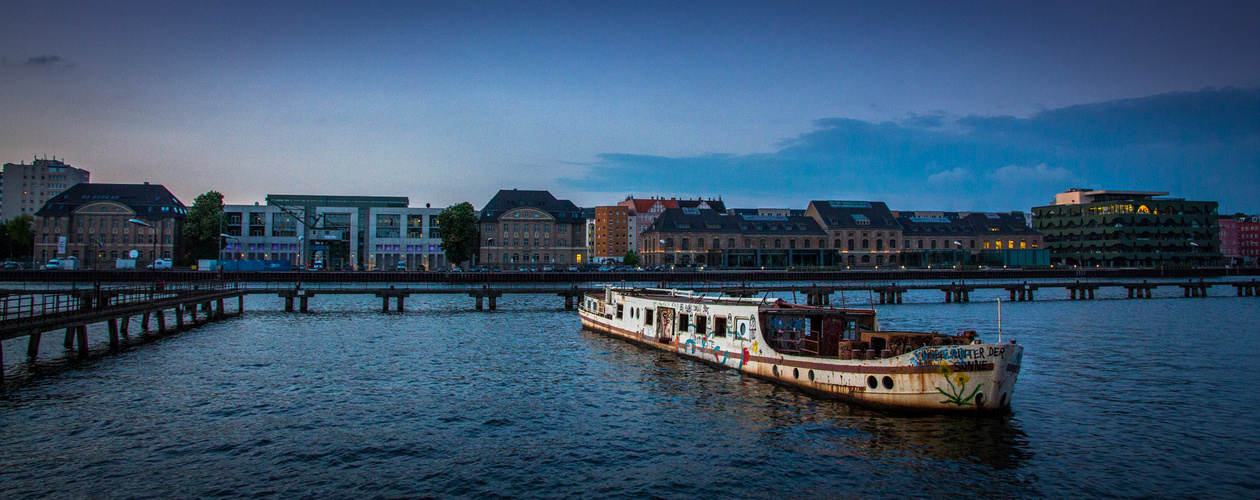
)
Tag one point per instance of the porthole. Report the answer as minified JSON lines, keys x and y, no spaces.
{"x":811,"y":375}
{"x":775,"y":370}
{"x":1002,"y":401}
{"x":888,"y":383}
{"x":796,"y":373}
{"x":871,"y":382}
{"x":979,"y":400}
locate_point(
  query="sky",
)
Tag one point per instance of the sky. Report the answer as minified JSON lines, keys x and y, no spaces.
{"x":990,"y":106}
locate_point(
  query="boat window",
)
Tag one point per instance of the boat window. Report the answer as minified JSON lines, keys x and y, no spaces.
{"x":684,"y":322}
{"x":619,"y":310}
{"x":719,"y":326}
{"x":647,"y":320}
{"x":701,"y":324}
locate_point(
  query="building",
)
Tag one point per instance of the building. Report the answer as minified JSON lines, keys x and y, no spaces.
{"x":30,"y":186}
{"x":1128,"y":228}
{"x":1230,"y":251}
{"x":94,"y":224}
{"x":407,"y":239}
{"x":1248,"y":239}
{"x":519,"y":228}
{"x":612,"y":234}
{"x":865,"y":233}
{"x":341,"y":232}
{"x":735,"y":238}
{"x":645,"y":210}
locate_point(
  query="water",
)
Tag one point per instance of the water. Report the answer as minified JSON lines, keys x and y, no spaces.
{"x":1117,"y":398}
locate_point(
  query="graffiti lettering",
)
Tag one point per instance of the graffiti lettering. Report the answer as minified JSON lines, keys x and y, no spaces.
{"x":972,"y":366}
{"x":694,"y":308}
{"x":941,"y":354}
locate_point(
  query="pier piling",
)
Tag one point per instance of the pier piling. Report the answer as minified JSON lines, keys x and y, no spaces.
{"x":113,"y":335}
{"x":32,"y":346}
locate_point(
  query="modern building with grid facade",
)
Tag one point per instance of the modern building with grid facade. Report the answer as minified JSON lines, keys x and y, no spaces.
{"x":1128,"y":228}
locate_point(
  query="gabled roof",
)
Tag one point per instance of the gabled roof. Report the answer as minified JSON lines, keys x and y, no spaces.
{"x":644,"y":205}
{"x":1004,"y":223}
{"x":149,"y":201}
{"x":564,"y":211}
{"x":693,"y":220}
{"x":712,"y":204}
{"x":836,"y":214}
{"x":935,"y":224}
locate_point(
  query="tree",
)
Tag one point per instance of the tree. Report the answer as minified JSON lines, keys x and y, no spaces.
{"x":631,"y":259}
{"x":202,"y":227}
{"x":458,"y":226}
{"x":17,"y":238}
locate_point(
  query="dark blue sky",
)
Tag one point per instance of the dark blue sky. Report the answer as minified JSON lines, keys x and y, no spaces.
{"x":986,"y":106}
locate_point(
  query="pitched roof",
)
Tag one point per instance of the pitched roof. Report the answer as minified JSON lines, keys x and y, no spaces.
{"x":564,"y":211}
{"x":935,"y":224}
{"x":149,"y":201}
{"x":835,"y":214}
{"x":1013,"y":223}
{"x":693,"y":220}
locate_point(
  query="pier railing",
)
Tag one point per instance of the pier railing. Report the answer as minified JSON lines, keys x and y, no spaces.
{"x":27,"y":304}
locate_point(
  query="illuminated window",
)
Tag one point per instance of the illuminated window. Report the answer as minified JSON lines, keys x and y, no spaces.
{"x":1022,"y":245}
{"x":999,"y":244}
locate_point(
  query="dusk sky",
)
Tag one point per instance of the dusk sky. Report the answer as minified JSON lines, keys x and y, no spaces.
{"x":925,"y":105}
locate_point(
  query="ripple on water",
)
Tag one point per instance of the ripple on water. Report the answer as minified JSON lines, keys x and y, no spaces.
{"x":1116,"y":398}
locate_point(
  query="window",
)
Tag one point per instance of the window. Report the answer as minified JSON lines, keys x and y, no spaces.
{"x":716,"y":243}
{"x":850,"y":245}
{"x":866,"y":244}
{"x":778,"y":243}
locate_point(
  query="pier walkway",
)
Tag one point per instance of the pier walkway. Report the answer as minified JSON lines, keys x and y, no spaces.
{"x":27,"y":313}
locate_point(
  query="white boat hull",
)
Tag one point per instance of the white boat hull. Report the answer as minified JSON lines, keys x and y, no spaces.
{"x":949,"y":378}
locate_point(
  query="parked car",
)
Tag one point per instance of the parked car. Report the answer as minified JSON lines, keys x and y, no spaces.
{"x":10,"y":265}
{"x":159,"y":264}
{"x":402,"y":265}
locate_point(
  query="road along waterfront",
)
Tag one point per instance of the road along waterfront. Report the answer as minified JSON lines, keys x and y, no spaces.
{"x":1116,"y":398}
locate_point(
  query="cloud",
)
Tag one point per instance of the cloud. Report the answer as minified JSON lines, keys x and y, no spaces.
{"x":954,"y":176}
{"x":47,"y":60}
{"x":1198,"y":145}
{"x":1015,"y":174}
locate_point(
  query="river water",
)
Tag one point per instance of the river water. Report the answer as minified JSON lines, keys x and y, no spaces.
{"x":1117,"y":398}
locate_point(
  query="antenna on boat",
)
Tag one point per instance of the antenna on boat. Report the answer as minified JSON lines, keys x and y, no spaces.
{"x":999,"y":320}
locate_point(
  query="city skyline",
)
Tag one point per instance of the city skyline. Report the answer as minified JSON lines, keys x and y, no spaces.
{"x":980,"y":107}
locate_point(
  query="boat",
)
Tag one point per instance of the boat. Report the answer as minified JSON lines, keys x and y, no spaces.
{"x":834,"y":352}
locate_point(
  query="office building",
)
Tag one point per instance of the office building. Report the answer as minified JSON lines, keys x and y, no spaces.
{"x":1129,"y":228}
{"x":521,"y":228}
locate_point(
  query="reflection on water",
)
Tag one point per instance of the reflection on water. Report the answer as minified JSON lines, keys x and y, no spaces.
{"x":1116,"y":398}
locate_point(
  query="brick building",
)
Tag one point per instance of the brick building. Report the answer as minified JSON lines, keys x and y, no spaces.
{"x":92,"y":223}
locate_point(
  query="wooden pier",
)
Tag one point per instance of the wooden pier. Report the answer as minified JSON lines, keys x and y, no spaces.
{"x":32,"y":314}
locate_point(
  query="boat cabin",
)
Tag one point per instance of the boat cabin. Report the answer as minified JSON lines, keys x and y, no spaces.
{"x":842,"y":333}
